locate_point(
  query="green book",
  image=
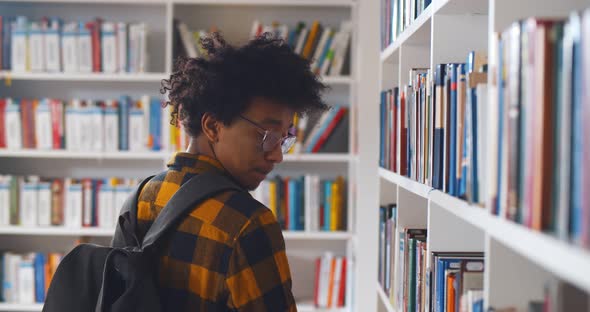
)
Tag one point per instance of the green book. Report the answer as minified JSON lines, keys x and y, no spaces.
{"x":14,"y":196}
{"x":411,"y":302}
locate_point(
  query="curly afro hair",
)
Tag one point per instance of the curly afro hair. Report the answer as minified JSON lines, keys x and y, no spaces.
{"x":229,"y":78}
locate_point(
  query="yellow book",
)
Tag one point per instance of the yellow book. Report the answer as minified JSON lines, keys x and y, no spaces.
{"x":335,"y":209}
{"x":338,"y":204}
{"x":272,"y":188}
{"x":311,"y":39}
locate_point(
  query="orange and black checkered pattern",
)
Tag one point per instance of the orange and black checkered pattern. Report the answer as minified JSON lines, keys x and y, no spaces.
{"x":228,"y":254}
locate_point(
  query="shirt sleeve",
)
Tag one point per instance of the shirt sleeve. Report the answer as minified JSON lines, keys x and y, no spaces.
{"x":258,"y":277}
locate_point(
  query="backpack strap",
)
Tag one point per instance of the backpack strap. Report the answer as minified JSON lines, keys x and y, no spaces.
{"x":125,"y":233}
{"x":195,"y":190}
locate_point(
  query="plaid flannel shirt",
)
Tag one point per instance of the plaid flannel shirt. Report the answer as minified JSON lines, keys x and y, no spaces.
{"x":227,"y":255}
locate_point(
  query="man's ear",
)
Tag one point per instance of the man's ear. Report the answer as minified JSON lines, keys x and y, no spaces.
{"x":211,"y":127}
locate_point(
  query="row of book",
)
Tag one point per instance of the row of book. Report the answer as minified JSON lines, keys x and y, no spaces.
{"x":540,"y":172}
{"x":397,"y":15}
{"x":72,"y":203}
{"x":331,"y":276}
{"x":434,"y":129}
{"x":322,"y":133}
{"x":326,"y":47}
{"x":290,"y":199}
{"x":453,"y":283}
{"x":26,"y":277}
{"x":51,"y":45}
{"x":125,"y":124}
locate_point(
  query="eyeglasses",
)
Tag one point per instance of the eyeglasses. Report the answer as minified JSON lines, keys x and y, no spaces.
{"x":271,"y":139}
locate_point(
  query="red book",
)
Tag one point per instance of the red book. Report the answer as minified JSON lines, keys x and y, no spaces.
{"x":57,"y":123}
{"x":403,"y":136}
{"x":316,"y":285}
{"x":94,"y":29}
{"x":342,"y":290}
{"x":97,"y":185}
{"x":324,"y":137}
{"x":2,"y":112}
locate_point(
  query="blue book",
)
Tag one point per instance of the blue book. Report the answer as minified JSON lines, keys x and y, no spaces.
{"x":441,"y":266}
{"x":39,"y":266}
{"x":577,"y":150}
{"x":124,"y":108}
{"x":462,"y":180}
{"x":439,"y":131}
{"x":324,"y":54}
{"x":501,"y":87}
{"x":472,"y":103}
{"x":156,"y":124}
{"x":453,"y":132}
{"x":293,"y":207}
{"x":6,"y":41}
{"x":327,"y":204}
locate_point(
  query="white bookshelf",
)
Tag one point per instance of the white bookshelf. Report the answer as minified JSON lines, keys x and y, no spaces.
{"x":234,"y":18}
{"x":519,"y":261}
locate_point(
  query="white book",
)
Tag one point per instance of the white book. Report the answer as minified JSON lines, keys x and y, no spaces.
{"x":301,"y":40}
{"x":143,"y":52}
{"x":82,"y":129}
{"x":71,"y":121}
{"x":122,"y":46}
{"x":145,"y":106}
{"x":137,"y":133}
{"x":26,"y":280}
{"x":341,"y":49}
{"x":255,"y":26}
{"x":43,"y":127}
{"x":307,"y":201}
{"x":37,"y":46}
{"x":52,"y":46}
{"x":12,"y":125}
{"x":315,"y":203}
{"x":187,"y":40}
{"x":19,"y":45}
{"x":284,"y":32}
{"x":10,"y":282}
{"x":106,"y":205}
{"x":29,"y":202}
{"x":111,"y":127}
{"x":44,"y":203}
{"x":73,"y":206}
{"x":132,"y":48}
{"x":325,"y":269}
{"x":109,"y":47}
{"x":166,"y":146}
{"x":95,"y":114}
{"x":87,"y":202}
{"x":482,"y":140}
{"x":84,"y":49}
{"x":327,"y":64}
{"x":320,"y":48}
{"x":4,"y":200}
{"x":336,"y":282}
{"x":69,"y":43}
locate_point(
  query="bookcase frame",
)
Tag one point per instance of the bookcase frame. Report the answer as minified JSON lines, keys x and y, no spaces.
{"x":518,"y":260}
{"x":357,"y":164}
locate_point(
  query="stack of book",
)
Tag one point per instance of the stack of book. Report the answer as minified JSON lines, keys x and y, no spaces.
{"x":326,"y":47}
{"x":330,"y":281}
{"x":322,"y":133}
{"x":540,"y":173}
{"x":50,"y":45}
{"x":72,"y":203}
{"x":387,"y":226}
{"x":434,"y":129}
{"x":26,"y":278}
{"x":88,"y":125}
{"x":457,"y":282}
{"x":397,"y":15}
{"x":291,"y":198}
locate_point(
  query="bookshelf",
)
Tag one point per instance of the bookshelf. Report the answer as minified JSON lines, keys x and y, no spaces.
{"x":234,"y":18}
{"x":519,"y":262}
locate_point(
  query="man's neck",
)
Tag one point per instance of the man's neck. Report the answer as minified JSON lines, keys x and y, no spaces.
{"x":200,"y":146}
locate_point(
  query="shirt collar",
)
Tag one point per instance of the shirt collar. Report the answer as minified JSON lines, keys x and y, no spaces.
{"x":196,"y":162}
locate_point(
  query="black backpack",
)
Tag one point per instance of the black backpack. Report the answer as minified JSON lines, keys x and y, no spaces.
{"x":122,"y":278}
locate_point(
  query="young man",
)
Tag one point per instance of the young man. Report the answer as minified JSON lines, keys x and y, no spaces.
{"x":237,"y":105}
